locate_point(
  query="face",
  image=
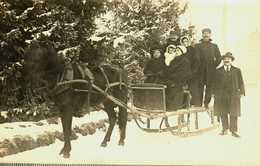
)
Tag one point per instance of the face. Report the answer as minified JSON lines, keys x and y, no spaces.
{"x":185,"y":42}
{"x":156,"y":54}
{"x":171,"y":50}
{"x":227,"y":61}
{"x":206,"y":36}
{"x":173,"y":37}
{"x":178,"y":52}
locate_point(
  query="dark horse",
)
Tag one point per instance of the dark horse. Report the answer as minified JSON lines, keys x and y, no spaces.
{"x":43,"y":63}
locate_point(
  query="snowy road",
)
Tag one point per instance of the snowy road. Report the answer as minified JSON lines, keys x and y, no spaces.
{"x":162,"y":148}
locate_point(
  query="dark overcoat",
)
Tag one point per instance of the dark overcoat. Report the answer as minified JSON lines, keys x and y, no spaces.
{"x":193,"y":83}
{"x":178,"y":72}
{"x":176,"y":76}
{"x":232,"y":95}
{"x":194,"y":61}
{"x":210,"y":58}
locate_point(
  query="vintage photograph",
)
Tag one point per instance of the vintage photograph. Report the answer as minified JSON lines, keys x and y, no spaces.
{"x":129,"y":82}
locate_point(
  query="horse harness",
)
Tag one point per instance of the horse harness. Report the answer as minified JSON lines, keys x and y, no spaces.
{"x":86,"y":74}
{"x":108,"y":84}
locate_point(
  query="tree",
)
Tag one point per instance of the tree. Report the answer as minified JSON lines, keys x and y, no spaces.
{"x":133,"y":27}
{"x":122,"y":31}
{"x":66,"y":24}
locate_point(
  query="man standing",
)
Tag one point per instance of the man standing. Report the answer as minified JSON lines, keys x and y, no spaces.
{"x":210,"y":58}
{"x":228,"y":87}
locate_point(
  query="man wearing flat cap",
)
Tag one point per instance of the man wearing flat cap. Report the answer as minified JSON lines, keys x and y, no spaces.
{"x":227,"y":89}
{"x":209,"y":58}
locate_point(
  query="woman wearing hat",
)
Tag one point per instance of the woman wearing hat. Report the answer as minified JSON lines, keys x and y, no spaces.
{"x":173,"y":39}
{"x":169,"y":54}
{"x":176,"y":74}
{"x":227,"y":90}
{"x":154,"y":66}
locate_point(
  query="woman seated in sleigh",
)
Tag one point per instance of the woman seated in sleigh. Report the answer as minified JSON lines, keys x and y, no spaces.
{"x":174,"y":71}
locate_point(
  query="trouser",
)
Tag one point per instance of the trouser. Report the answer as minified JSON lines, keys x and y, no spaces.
{"x":229,"y":122}
{"x":207,"y":96}
{"x":208,"y":92}
{"x":194,"y":88}
{"x":201,"y":92}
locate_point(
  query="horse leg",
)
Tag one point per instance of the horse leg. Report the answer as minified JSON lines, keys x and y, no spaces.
{"x":66,"y":120}
{"x":122,"y":121}
{"x":112,"y":121}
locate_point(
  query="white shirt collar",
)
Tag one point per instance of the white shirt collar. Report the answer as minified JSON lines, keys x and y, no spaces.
{"x":227,"y":68}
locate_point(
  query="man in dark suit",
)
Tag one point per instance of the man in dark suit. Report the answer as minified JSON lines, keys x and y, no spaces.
{"x":227,"y":90}
{"x":210,"y":58}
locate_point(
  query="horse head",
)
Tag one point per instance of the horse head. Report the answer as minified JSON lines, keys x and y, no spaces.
{"x":42,"y":64}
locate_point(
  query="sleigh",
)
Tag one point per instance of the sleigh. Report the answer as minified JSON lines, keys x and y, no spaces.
{"x":147,"y":106}
{"x":148,"y":102}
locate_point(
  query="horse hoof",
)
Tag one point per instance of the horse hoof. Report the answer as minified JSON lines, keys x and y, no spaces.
{"x":104,"y":144}
{"x":121,"y":143}
{"x":66,"y":155}
{"x":62,"y":151}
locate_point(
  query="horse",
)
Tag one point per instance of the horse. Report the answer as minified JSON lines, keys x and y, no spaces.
{"x":42,"y":62}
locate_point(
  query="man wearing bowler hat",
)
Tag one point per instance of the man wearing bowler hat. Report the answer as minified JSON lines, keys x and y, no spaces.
{"x":227,"y":90}
{"x":210,"y":58}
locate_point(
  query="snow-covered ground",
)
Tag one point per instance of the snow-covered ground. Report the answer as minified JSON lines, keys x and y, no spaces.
{"x":9,"y":130}
{"x":162,"y":148}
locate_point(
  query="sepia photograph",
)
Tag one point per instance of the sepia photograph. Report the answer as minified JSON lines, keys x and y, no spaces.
{"x":129,"y":82}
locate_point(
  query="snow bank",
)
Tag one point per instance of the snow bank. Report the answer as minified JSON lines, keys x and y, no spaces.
{"x":22,"y":136}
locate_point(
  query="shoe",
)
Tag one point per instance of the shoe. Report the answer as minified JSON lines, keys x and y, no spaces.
{"x":234,"y":134}
{"x":223,"y":132}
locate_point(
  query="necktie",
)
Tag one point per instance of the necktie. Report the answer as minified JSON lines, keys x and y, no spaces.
{"x":227,"y":68}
